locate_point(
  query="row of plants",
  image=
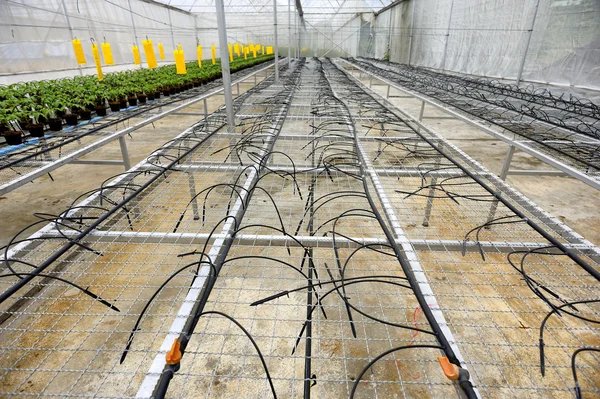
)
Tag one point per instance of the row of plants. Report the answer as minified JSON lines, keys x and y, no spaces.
{"x":33,"y":105}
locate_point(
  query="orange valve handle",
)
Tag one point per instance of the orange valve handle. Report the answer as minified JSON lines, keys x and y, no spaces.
{"x":451,"y":371}
{"x":174,"y":355}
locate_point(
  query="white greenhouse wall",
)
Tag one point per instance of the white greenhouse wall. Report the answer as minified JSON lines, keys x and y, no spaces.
{"x":489,"y":38}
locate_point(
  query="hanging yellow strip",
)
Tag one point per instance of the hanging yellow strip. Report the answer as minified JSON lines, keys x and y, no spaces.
{"x":78,"y":51}
{"x":107,"y":54}
{"x":230,"y":52}
{"x":161,"y":51}
{"x":136,"y":55}
{"x":245,"y":49}
{"x":262,"y":51}
{"x":150,"y":56}
{"x":180,"y":62}
{"x":199,"y":56}
{"x":96,"y":55}
{"x":213,"y":53}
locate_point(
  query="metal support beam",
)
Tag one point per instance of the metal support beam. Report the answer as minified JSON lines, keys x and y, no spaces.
{"x":505,"y":167}
{"x":135,"y":36}
{"x":530,"y":33}
{"x":171,"y":26}
{"x":422,"y":111}
{"x":410,"y":39}
{"x":124,"y":153}
{"x":293,"y":241}
{"x":276,"y":43}
{"x":97,"y":162}
{"x":289,"y":60}
{"x":431,"y":195}
{"x":70,"y":30}
{"x":520,"y":172}
{"x":447,"y":36}
{"x":192,"y":184}
{"x":224,"y":53}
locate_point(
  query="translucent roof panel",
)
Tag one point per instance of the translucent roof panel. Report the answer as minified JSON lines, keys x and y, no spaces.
{"x":314,"y":10}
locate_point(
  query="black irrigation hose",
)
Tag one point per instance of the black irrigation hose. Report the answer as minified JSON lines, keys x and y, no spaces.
{"x":220,"y":122}
{"x":587,"y":267}
{"x":12,"y":290}
{"x":84,"y":290}
{"x":556,"y":310}
{"x":433,"y":81}
{"x":485,"y":115}
{"x":372,"y":362}
{"x":574,"y":368}
{"x":191,"y":323}
{"x":446,"y":347}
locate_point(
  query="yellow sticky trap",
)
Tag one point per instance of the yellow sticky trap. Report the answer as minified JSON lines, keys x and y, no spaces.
{"x":236,"y":49}
{"x":96,"y":55}
{"x":213,"y":51}
{"x":150,"y":56}
{"x":269,"y":50}
{"x":199,"y":56}
{"x":245,"y":52}
{"x":230,"y":52}
{"x":179,"y":47}
{"x":180,"y":62}
{"x":262,"y":51}
{"x":79,"y":55}
{"x":161,"y":51}
{"x":107,"y":54}
{"x":136,"y":55}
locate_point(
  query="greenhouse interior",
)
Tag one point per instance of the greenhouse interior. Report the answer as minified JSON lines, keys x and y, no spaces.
{"x":300,"y":199}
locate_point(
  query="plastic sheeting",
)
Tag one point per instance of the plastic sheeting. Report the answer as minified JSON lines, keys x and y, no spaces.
{"x":35,"y":35}
{"x":490,"y":38}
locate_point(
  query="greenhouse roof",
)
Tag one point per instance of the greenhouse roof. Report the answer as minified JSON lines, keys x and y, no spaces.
{"x":316,"y":8}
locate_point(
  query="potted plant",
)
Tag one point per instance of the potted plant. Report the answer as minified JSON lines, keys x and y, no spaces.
{"x":11,"y":135}
{"x":36,"y":127}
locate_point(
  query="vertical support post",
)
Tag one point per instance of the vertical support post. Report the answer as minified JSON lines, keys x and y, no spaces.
{"x":410,"y":38}
{"x":447,"y":36}
{"x":387,"y":94}
{"x":171,"y":26}
{"x":193,"y":198}
{"x":298,"y":28}
{"x":289,"y":34}
{"x":370,"y":81}
{"x":503,"y":174}
{"x":431,"y":194}
{"x":205,"y":109}
{"x":70,"y":31}
{"x":124,"y":152}
{"x":530,"y":33}
{"x":224,"y":52}
{"x":297,"y":48}
{"x":422,"y":111}
{"x":237,"y":88}
{"x":276,"y":44}
{"x":135,"y":36}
